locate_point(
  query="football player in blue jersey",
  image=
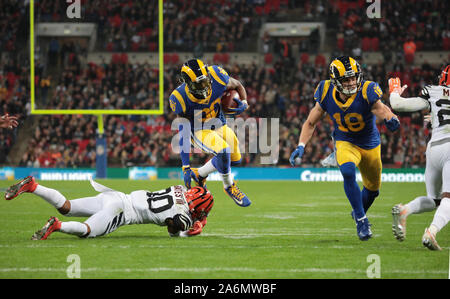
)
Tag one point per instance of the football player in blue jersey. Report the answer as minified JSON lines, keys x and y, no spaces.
{"x":353,"y":104}
{"x":198,"y":100}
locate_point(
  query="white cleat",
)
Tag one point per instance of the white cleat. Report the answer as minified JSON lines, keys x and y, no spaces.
{"x":399,"y":222}
{"x":429,"y":241}
{"x":330,"y":161}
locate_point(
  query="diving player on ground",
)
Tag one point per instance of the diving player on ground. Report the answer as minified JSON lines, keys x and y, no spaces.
{"x":183,"y":211}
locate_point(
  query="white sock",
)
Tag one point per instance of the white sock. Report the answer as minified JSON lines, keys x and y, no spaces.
{"x":419,"y":205}
{"x":227,"y":179}
{"x":52,"y":196}
{"x":206,"y":169}
{"x":442,"y":215}
{"x":73,"y":228}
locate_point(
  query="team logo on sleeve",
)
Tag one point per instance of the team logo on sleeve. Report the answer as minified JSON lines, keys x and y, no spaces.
{"x":172,"y":105}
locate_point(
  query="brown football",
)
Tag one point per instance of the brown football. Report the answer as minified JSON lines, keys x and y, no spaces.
{"x":227,"y":100}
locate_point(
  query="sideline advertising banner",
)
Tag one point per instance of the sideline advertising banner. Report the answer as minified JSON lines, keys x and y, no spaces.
{"x":239,"y":173}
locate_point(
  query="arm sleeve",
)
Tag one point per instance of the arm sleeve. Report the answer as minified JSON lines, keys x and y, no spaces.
{"x":318,"y":93}
{"x":182,"y":222}
{"x":424,"y":93}
{"x":401,"y":104}
{"x":374,"y":93}
{"x":175,"y":105}
{"x":219,"y":75}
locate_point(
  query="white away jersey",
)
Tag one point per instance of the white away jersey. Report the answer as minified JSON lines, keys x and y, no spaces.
{"x":439,"y":98}
{"x":156,"y":207}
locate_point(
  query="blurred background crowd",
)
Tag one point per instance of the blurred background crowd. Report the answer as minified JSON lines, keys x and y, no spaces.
{"x":281,"y":86}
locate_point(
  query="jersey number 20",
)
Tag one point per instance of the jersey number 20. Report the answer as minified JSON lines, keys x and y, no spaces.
{"x":443,"y":112}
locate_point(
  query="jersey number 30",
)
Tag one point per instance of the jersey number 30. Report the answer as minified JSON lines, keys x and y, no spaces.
{"x":353,"y":122}
{"x":160,"y":201}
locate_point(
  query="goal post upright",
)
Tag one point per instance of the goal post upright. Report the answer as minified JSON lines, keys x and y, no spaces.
{"x":101,"y":146}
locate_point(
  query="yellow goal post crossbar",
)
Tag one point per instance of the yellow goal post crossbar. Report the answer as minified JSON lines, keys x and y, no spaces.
{"x":100,"y":112}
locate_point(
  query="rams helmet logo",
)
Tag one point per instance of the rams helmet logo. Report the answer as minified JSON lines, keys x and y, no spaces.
{"x":343,"y":68}
{"x":196,"y":76}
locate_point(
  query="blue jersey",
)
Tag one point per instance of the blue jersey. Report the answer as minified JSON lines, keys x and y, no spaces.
{"x":353,"y":120}
{"x":197,"y":111}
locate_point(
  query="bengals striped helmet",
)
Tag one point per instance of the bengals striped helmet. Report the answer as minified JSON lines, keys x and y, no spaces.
{"x":341,"y":69}
{"x":200,"y":202}
{"x":196,"y":76}
{"x":444,"y":78}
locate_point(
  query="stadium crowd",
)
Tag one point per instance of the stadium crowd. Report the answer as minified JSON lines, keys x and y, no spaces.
{"x":14,"y":98}
{"x":69,"y":141}
{"x":282,"y":88}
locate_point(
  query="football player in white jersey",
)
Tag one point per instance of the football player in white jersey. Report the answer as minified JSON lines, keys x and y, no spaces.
{"x":183,"y":211}
{"x":436,"y":99}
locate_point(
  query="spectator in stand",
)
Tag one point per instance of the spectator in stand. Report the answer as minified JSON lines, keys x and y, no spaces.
{"x":409,"y":50}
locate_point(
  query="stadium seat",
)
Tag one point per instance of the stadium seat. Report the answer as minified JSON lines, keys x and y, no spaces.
{"x":268,"y":58}
{"x":167,"y":58}
{"x":175,"y":58}
{"x":217,"y":58}
{"x":341,"y":43}
{"x":446,"y":43}
{"x":225,"y":58}
{"x":365,"y":44}
{"x":304,"y":58}
{"x":320,"y":60}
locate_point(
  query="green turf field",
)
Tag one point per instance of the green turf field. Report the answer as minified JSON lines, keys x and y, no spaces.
{"x":291,"y":230}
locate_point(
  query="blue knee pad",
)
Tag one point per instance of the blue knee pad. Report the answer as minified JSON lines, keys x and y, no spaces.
{"x":348,"y":171}
{"x":222,"y":161}
{"x":234,"y":163}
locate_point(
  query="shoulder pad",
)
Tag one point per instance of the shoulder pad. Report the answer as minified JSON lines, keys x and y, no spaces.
{"x":321,"y":90}
{"x":219,"y":74}
{"x":177,"y":103}
{"x":371,"y":91}
{"x":425,"y":93}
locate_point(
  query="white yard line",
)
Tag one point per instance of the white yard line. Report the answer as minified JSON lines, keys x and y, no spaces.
{"x":219,"y":269}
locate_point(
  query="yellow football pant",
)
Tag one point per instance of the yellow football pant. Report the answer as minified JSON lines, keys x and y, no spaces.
{"x":218,"y":140}
{"x":368,"y":162}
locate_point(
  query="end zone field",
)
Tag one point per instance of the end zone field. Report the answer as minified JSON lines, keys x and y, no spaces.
{"x":291,"y":230}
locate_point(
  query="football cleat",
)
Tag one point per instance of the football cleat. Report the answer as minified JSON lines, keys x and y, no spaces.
{"x":28,"y":184}
{"x":399,"y":222}
{"x":53,"y":224}
{"x":429,"y":241}
{"x":330,"y":161}
{"x":199,"y":180}
{"x":237,"y":195}
{"x":363,"y":229}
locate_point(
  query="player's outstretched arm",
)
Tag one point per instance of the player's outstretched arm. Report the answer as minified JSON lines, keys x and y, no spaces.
{"x":307,"y":131}
{"x":398,"y":103}
{"x":178,"y":224}
{"x":315,"y":115}
{"x":236,"y":84}
{"x":383,"y":112}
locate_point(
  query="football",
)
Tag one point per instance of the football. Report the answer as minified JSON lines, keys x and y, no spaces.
{"x":227,"y":100}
